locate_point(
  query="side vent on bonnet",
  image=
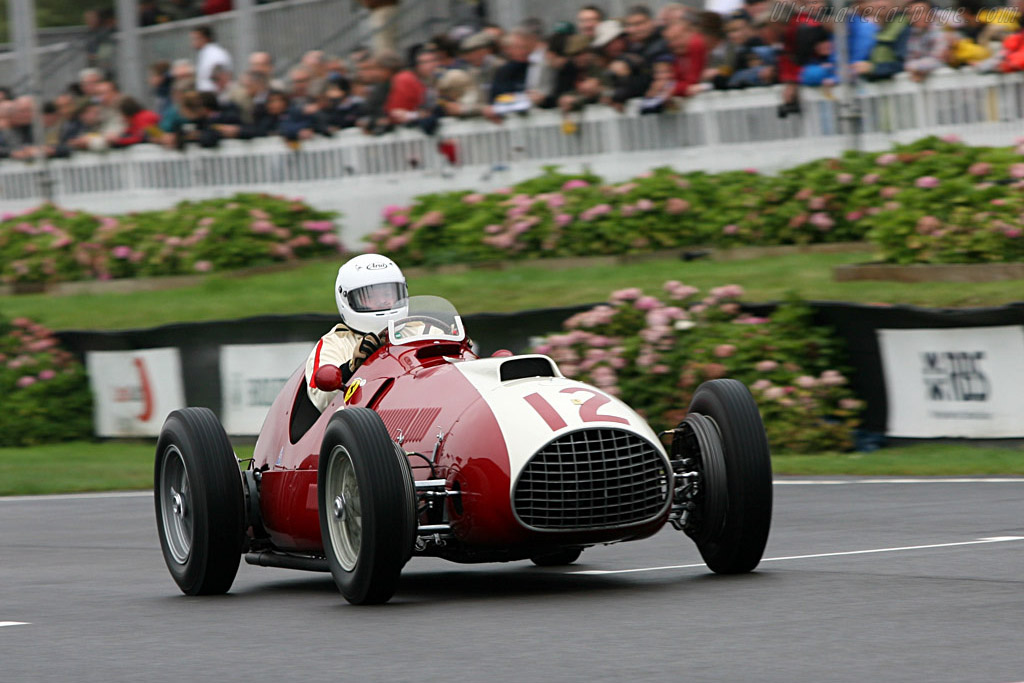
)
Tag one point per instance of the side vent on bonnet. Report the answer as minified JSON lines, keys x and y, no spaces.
{"x":519,"y":368}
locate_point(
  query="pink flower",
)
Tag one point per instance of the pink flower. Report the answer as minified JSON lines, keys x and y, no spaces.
{"x":766,"y":366}
{"x":886,"y":159}
{"x":725,"y":350}
{"x":47,"y":374}
{"x":61,"y":242}
{"x":121,"y":252}
{"x":714,"y":370}
{"x":854,"y":216}
{"x":980,"y":168}
{"x":624,"y":188}
{"x":300,"y":241}
{"x":998,"y":202}
{"x":850,"y":404}
{"x":318,"y":226}
{"x":889,"y":192}
{"x":730,"y":229}
{"x":623,"y":295}
{"x":396,"y":243}
{"x":431,"y":219}
{"x":259,"y":214}
{"x":928,"y":224}
{"x":761,"y":385}
{"x":493,"y":229}
{"x":804,"y":194}
{"x":832,"y":378}
{"x":473,"y":198}
{"x":727,"y":292}
{"x":871,"y":178}
{"x":329,"y":239}
{"x":806,"y":382}
{"x":627,"y":210}
{"x":927,"y":182}
{"x":678,"y":291}
{"x":822,"y":221}
{"x":816,"y":203}
{"x":203,"y":266}
{"x":675,"y":206}
{"x":844,"y":178}
{"x":1012,"y":233}
{"x":646,"y":303}
{"x":1016,"y":171}
{"x":390,"y":210}
{"x":555,"y":200}
{"x":26,"y":381}
{"x":774,"y":393}
{"x":260,"y":227}
{"x":952,"y":138}
{"x":575,"y":184}
{"x":398,"y":220}
{"x":645,"y":204}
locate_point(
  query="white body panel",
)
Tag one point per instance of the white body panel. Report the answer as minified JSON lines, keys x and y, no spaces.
{"x":534,"y":410}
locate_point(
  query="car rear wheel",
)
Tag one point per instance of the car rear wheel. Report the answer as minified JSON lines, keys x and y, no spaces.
{"x":724,"y":438}
{"x":199,"y":502}
{"x":367,"y":506}
{"x":558,"y":558}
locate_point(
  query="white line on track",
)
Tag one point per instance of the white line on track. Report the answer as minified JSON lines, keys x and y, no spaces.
{"x":994,"y":539}
{"x":14,"y":623}
{"x":894,"y":480}
{"x":78,"y":496}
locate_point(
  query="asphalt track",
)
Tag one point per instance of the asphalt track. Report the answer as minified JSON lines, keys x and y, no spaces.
{"x":863,"y":581}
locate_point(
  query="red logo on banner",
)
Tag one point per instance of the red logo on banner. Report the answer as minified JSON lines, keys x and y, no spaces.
{"x":147,"y":392}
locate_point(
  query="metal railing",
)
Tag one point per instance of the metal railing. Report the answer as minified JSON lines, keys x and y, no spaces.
{"x":711,"y":123}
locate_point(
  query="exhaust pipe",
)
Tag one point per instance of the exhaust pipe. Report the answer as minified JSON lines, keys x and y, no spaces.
{"x":268,"y":558}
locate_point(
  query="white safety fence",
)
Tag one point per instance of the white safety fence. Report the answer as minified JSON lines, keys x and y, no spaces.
{"x":710,"y":122}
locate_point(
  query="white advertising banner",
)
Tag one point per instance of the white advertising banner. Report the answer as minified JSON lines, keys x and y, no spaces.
{"x":134,"y":391}
{"x":251,"y":375}
{"x":961,"y":382}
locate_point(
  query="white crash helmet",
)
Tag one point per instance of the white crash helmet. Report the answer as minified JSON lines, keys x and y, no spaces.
{"x":370,"y":291}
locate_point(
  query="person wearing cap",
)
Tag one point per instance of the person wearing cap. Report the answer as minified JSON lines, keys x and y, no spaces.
{"x":626,"y":74}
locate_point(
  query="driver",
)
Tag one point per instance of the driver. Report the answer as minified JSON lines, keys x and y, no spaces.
{"x":370,"y":291}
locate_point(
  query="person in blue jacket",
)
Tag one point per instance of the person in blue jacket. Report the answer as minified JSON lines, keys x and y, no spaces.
{"x":861,"y":32}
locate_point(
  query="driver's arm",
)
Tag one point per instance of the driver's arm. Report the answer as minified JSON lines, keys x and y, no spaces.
{"x":334,"y":348}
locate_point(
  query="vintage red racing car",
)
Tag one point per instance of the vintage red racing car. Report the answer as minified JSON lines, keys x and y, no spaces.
{"x":432,"y":451}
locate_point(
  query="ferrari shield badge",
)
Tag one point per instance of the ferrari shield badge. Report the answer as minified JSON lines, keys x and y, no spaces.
{"x":353,"y":388}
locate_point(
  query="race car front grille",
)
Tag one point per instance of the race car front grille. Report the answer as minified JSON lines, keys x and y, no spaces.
{"x":592,"y":479}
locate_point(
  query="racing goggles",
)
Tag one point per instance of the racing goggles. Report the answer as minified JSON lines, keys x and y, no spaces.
{"x":379,"y":297}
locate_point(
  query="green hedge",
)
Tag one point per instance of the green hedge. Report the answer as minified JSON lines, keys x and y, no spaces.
{"x":49,"y":244}
{"x":936,"y":200}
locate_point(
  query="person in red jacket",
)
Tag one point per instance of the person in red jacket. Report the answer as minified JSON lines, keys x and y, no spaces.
{"x":799,"y":37}
{"x":141,"y":123}
{"x":216,"y":6}
{"x":690,"y":53}
{"x":406,"y":93}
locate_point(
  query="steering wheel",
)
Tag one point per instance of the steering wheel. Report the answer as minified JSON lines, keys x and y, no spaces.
{"x":430,"y":322}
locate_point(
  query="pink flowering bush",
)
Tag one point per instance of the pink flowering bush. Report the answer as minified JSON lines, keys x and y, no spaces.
{"x":44,"y":394}
{"x":654,"y":351}
{"x":878,"y":196}
{"x":49,"y":244}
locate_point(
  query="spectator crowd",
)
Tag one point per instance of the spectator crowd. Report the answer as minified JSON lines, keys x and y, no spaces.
{"x":647,"y":60}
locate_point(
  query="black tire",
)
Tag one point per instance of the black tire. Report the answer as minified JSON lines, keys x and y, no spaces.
{"x":558,"y":558}
{"x":200,"y":512}
{"x":737,"y":545}
{"x":367,"y":506}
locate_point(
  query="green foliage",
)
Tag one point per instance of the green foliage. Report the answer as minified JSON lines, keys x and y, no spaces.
{"x":893,"y":198}
{"x":49,"y":244}
{"x":654,"y":354}
{"x":44,"y":394}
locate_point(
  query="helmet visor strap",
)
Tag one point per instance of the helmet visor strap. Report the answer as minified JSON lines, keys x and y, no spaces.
{"x":380,"y":297}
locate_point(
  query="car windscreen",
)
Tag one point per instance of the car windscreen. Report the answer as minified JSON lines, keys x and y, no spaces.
{"x":430,"y":317}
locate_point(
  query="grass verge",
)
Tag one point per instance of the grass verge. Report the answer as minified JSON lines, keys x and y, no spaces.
{"x":87,"y":466}
{"x":307,"y":289}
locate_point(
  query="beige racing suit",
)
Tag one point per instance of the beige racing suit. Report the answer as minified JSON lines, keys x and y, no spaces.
{"x":338,"y":347}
